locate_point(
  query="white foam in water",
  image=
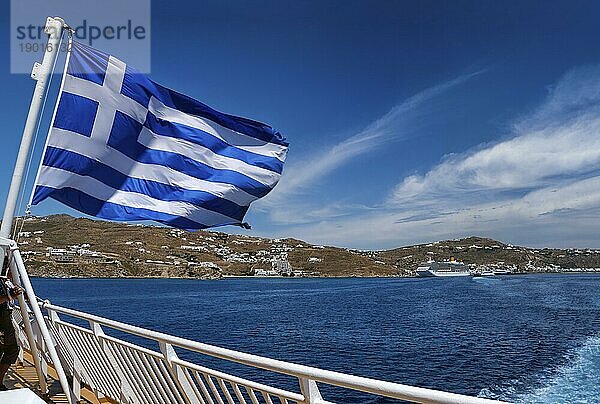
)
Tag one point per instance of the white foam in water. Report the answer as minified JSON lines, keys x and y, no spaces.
{"x":575,"y":382}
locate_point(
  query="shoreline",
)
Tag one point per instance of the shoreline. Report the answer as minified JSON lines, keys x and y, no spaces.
{"x":307,"y":277}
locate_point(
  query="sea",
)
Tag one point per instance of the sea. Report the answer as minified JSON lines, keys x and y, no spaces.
{"x":520,"y":338}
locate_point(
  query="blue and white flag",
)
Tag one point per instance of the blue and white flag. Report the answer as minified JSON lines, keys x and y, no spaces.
{"x":122,"y":147}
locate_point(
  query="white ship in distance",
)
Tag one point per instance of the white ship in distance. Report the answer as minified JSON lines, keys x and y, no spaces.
{"x":445,"y":268}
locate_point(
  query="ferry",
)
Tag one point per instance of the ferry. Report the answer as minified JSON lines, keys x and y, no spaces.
{"x":445,"y":268}
{"x":483,"y":271}
{"x":483,"y":274}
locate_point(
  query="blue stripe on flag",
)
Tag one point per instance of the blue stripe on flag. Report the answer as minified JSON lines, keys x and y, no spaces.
{"x":87,"y":63}
{"x":76,"y":163}
{"x":137,"y":86}
{"x":112,"y":211}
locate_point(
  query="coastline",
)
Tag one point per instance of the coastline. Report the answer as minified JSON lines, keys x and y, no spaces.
{"x":308,"y":277}
{"x":67,"y":247}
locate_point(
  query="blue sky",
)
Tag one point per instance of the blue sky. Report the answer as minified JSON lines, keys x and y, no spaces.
{"x":408,"y":121}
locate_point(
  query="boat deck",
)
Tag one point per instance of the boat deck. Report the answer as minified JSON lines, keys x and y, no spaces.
{"x":24,"y":376}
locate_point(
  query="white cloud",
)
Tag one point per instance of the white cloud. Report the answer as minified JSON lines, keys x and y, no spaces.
{"x":558,"y":142}
{"x":548,"y":216}
{"x":541,"y":186}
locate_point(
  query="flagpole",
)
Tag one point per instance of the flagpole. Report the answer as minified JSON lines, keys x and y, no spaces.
{"x":62,"y":85}
{"x":40,"y":73}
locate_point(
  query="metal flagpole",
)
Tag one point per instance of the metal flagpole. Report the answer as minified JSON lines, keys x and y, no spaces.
{"x":40,"y":73}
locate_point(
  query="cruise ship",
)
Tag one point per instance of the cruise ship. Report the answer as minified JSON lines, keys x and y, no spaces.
{"x":444,"y":268}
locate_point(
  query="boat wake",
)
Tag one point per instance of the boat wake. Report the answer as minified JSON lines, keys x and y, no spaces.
{"x":577,"y":381}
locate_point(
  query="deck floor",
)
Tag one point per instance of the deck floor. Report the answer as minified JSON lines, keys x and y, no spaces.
{"x":24,"y":376}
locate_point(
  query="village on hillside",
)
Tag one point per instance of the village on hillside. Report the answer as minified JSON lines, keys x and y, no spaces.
{"x":63,"y":246}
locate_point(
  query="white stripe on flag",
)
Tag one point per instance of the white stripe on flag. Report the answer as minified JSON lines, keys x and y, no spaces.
{"x":71,"y":141}
{"x":57,"y":178}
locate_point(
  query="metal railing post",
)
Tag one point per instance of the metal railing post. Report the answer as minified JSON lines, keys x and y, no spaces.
{"x":29,"y":332}
{"x":178,"y":373}
{"x":126,"y":390}
{"x":41,"y":348}
{"x":78,"y":369}
{"x":310,"y":391}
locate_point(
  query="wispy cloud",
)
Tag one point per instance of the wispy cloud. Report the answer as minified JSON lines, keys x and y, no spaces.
{"x":394,"y":126}
{"x":539,"y":186}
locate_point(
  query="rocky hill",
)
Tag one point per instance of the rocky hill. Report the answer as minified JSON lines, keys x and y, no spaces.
{"x":61,"y":245}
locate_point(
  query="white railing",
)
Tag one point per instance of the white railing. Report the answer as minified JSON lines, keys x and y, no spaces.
{"x":128,"y":373}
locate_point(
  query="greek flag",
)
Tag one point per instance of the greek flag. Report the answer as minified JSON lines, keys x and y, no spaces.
{"x":122,"y":147}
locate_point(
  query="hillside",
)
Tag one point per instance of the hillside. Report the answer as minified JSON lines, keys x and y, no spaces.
{"x":61,"y":245}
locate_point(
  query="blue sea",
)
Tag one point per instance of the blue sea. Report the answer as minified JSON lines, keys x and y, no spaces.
{"x":526,"y":338}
